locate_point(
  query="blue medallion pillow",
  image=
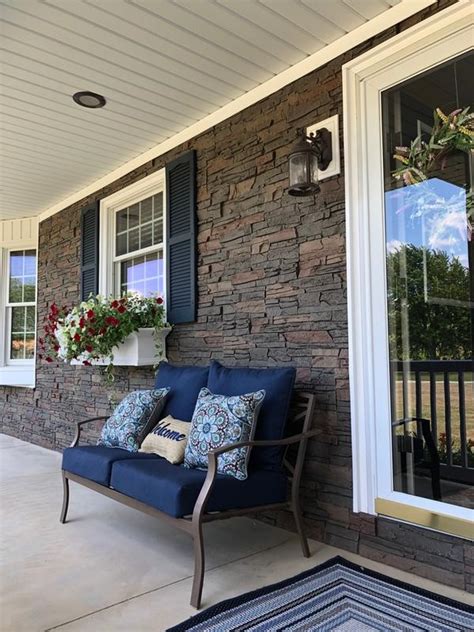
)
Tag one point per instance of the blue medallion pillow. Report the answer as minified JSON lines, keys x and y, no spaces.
{"x":134,"y":416}
{"x":218,"y":421}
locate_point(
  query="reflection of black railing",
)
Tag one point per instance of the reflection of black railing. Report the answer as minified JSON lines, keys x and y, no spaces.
{"x":440,"y":375}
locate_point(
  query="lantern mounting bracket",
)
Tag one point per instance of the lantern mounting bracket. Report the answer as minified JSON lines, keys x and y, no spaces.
{"x":322,"y":143}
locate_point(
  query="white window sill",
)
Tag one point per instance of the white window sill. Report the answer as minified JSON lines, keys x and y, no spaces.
{"x":18,"y":376}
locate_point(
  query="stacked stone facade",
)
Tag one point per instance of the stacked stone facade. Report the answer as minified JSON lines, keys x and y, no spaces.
{"x":271,"y":292}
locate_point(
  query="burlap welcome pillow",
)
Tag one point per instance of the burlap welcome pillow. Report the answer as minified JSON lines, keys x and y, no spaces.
{"x":168,"y":439}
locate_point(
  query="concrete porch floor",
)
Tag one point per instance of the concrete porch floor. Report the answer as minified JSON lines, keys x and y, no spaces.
{"x":113,"y":568}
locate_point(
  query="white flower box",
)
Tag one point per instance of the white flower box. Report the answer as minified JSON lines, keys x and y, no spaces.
{"x":138,"y":349}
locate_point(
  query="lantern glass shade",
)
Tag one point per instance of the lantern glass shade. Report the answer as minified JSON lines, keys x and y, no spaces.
{"x":303,"y":171}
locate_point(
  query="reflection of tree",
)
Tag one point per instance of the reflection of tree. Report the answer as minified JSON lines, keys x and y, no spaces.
{"x":436,"y":331}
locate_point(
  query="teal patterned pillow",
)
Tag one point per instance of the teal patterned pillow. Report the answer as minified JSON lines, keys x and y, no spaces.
{"x":219,"y":420}
{"x":136,"y":413}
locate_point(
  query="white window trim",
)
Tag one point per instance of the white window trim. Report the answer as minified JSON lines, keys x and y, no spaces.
{"x":150,"y":185}
{"x":435,"y":40}
{"x":15,"y":372}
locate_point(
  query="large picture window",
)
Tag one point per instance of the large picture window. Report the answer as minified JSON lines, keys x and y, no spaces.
{"x":21,"y":310}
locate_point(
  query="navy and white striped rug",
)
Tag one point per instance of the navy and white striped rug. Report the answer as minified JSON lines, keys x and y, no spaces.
{"x":337,"y":595}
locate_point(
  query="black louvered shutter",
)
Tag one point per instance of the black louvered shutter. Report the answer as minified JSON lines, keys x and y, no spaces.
{"x":89,"y":251}
{"x":181,"y":239}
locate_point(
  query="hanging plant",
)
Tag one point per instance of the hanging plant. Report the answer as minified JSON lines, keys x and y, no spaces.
{"x":452,"y":132}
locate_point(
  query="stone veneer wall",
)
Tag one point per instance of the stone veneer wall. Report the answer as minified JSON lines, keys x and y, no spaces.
{"x":272,"y":291}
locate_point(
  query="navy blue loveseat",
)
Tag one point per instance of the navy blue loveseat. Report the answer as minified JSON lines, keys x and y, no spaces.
{"x":187,"y":498}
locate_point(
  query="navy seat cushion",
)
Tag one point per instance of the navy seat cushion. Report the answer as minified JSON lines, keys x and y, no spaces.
{"x":278,"y":384}
{"x":95,"y":461}
{"x":185,"y":383}
{"x":174,"y":489}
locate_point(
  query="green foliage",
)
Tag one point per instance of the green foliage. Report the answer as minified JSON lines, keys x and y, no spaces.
{"x":90,"y":331}
{"x":452,"y":132}
{"x":437,"y":330}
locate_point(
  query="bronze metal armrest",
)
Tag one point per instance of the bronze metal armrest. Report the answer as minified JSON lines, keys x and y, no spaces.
{"x":267,"y":443}
{"x":79,"y":425}
{"x":208,"y":484}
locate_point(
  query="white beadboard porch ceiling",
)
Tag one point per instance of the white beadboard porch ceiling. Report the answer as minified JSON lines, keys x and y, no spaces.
{"x":163,"y":66}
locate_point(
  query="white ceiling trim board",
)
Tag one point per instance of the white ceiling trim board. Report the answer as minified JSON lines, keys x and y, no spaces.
{"x":385,"y":20}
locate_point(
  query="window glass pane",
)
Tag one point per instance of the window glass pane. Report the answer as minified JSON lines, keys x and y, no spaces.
{"x":30,"y":318}
{"x":146,"y":235}
{"x":29,"y":346}
{"x":16,"y":264}
{"x":430,"y":301}
{"x":121,"y":244}
{"x":137,"y":286}
{"x":30,"y":263}
{"x":18,"y":319}
{"x":158,"y":231}
{"x":122,"y":220}
{"x":17,"y":349}
{"x":29,"y":290}
{"x":146,"y":210}
{"x":139,"y":226}
{"x":22,"y":281}
{"x":16,"y":290}
{"x":133,"y":239}
{"x":158,"y":206}
{"x":133,"y":216}
{"x":143,"y":275}
{"x":138,"y":269}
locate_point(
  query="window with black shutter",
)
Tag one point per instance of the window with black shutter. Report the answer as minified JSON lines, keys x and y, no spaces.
{"x":147,"y":240}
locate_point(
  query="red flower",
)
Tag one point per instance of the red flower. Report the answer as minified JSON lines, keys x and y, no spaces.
{"x":41,"y":341}
{"x":91,"y":332}
{"x":121,"y":309}
{"x":48,"y":359}
{"x":89,"y":348}
{"x":77,"y":337}
{"x":56,"y":348}
{"x":86,"y":363}
{"x":102,"y":331}
{"x":159,"y":300}
{"x":114,"y":304}
{"x":82,"y":322}
{"x":90,"y":314}
{"x":123,"y":300}
{"x":112,"y":321}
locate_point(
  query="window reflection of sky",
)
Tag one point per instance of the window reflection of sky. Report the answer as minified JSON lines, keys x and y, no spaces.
{"x":145,"y":277}
{"x":431,"y":214}
{"x":17,"y":260}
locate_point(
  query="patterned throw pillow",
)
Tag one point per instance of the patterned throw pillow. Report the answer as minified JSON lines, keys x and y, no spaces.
{"x":219,"y":420}
{"x":168,"y":439}
{"x":129,"y":422}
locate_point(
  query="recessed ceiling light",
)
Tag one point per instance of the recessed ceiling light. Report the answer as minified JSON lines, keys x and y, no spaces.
{"x":89,"y":99}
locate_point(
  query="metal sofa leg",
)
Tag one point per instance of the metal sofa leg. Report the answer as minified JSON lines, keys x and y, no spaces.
{"x":199,"y":566}
{"x":300,"y":527}
{"x":65,"y":506}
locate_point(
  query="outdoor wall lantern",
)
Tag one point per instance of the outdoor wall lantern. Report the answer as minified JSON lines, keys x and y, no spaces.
{"x":309,"y":154}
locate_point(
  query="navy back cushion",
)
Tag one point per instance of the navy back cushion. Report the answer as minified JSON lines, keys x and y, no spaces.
{"x":278,"y":385}
{"x":185,"y":383}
